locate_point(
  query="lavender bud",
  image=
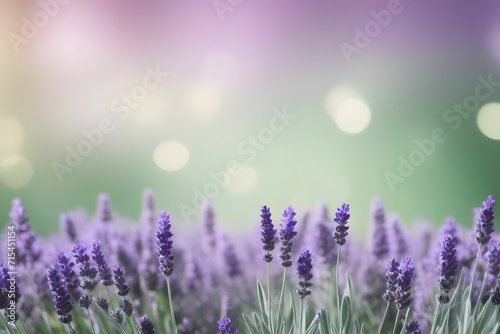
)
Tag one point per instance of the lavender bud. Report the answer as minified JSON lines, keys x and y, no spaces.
{"x":304,"y":267}
{"x":117,"y":316}
{"x":103,"y":304}
{"x":60,"y":296}
{"x":413,"y":327}
{"x":403,"y":289}
{"x":164,"y":244}
{"x":68,"y":227}
{"x":146,"y":325}
{"x":226,"y":327}
{"x":85,"y":301}
{"x":341,"y":217}
{"x":102,"y":266}
{"x":233,"y":266}
{"x":391,"y":276}
{"x":121,"y":285}
{"x":6,"y":281}
{"x":126,"y":306}
{"x":287,"y":232}
{"x":86,"y":270}
{"x":268,"y":233}
{"x":449,"y":263}
{"x":4,"y":298}
{"x":104,"y":211}
{"x":484,"y":227}
{"x":66,"y":265}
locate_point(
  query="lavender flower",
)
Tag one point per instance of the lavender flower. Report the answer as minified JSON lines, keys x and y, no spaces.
{"x":268,"y":233}
{"x":85,"y":301}
{"x":413,"y":327}
{"x":146,"y":325}
{"x":494,"y":259}
{"x":449,"y":263}
{"x":117,"y":315}
{"x":60,"y":296}
{"x":484,"y":227}
{"x":341,"y":217}
{"x":233,"y":266}
{"x":164,"y":244}
{"x":103,"y":304}
{"x":226,"y":327}
{"x":126,"y":306}
{"x":102,"y":266}
{"x":104,"y":211}
{"x":380,"y":246}
{"x":6,"y":280}
{"x":121,"y":285}
{"x":391,"y":275}
{"x":68,"y":227}
{"x":287,"y":232}
{"x":66,"y":265}
{"x":399,"y":239}
{"x":403,"y":288}
{"x":495,"y":293}
{"x":87,"y":271}
{"x":304,"y":267}
{"x":208,"y":225}
{"x":325,"y":244}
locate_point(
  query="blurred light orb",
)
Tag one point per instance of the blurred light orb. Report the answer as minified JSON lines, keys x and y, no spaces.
{"x":16,"y":171}
{"x":349,"y":112}
{"x":244,"y":182}
{"x":171,"y":156}
{"x":11,"y":136}
{"x":203,"y":100}
{"x":488,"y":120}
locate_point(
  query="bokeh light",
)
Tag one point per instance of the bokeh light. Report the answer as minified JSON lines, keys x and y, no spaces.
{"x":349,"y":112}
{"x":171,"y":156}
{"x":15,"y":171}
{"x":203,"y":100}
{"x":488,"y":120}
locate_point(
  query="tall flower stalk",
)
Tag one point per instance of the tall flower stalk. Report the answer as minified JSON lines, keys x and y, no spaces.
{"x":389,"y":296}
{"x":484,"y":229}
{"x":268,"y":235}
{"x":164,"y":251}
{"x":340,"y":233}
{"x":287,"y":232}
{"x":304,"y":266}
{"x":403,"y":287}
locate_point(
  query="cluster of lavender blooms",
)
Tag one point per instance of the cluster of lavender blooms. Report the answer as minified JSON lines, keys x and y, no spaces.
{"x":206,"y":275}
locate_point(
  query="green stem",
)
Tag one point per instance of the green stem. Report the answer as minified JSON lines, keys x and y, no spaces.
{"x":278,"y":320}
{"x":269,"y":299}
{"x":396,"y":323}
{"x":301,"y":313}
{"x":434,"y":322}
{"x":5,"y":323}
{"x":174,"y":326}
{"x":71,"y":329}
{"x":383,"y":318}
{"x":337,"y":288}
{"x":91,"y":322}
{"x":484,"y":282}
{"x":475,"y":268}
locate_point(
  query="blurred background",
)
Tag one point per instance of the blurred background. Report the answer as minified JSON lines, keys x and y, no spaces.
{"x":249,"y":103}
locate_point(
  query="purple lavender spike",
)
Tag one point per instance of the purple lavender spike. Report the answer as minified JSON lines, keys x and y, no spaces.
{"x":485,"y":224}
{"x":66,"y":265}
{"x":60,"y":296}
{"x":449,"y":264}
{"x":146,"y":325}
{"x":413,"y":327}
{"x":268,"y":234}
{"x":226,"y":326}
{"x":403,"y":289}
{"x":233,"y":265}
{"x":164,"y":244}
{"x":287,"y":232}
{"x":102,"y":266}
{"x":68,"y":227}
{"x":341,"y":217}
{"x":104,"y":211}
{"x":304,"y":267}
{"x":494,"y":259}
{"x":380,"y":245}
{"x":87,"y":271}
{"x":208,"y":225}
{"x":399,"y":239}
{"x":391,"y":276}
{"x":121,"y":284}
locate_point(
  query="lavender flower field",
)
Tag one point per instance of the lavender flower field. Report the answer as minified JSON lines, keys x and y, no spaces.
{"x":301,"y":275}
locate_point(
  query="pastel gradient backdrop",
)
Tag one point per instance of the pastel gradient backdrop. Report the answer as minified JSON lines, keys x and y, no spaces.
{"x":228,"y":74}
